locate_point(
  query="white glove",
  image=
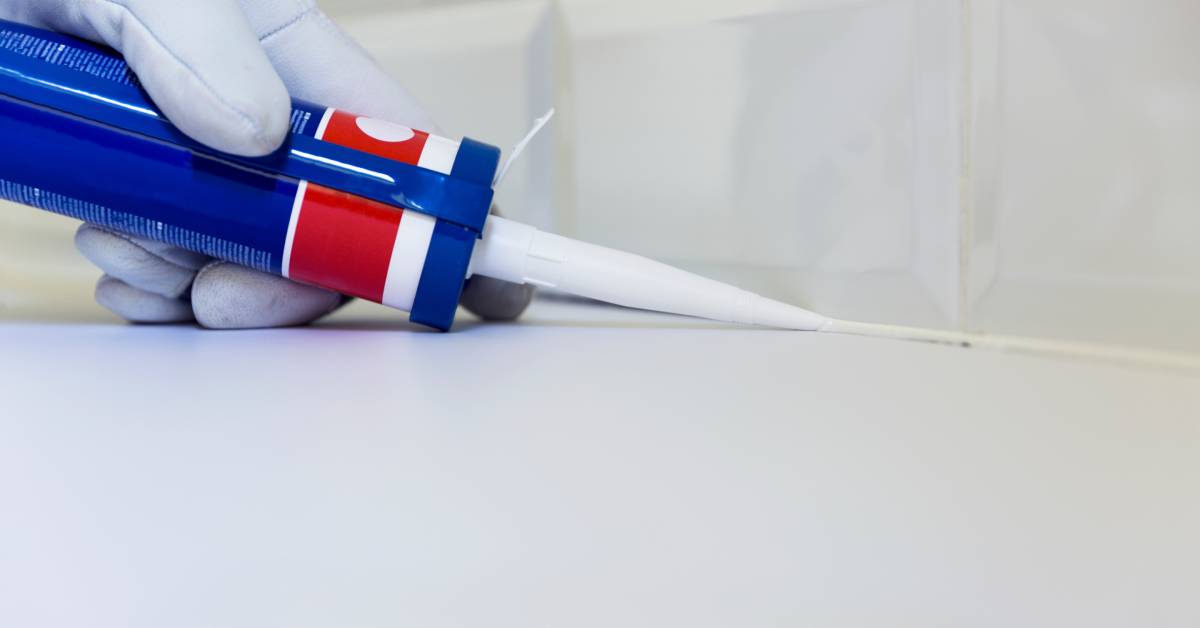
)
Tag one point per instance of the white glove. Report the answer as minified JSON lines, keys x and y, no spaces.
{"x":222,"y":71}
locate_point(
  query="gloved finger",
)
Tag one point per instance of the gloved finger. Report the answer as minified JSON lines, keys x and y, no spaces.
{"x":495,"y":299}
{"x":200,"y":62}
{"x":149,"y":266}
{"x":140,"y":306}
{"x":228,"y":296}
{"x":320,"y":63}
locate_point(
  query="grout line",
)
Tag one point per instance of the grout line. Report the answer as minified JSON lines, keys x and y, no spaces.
{"x":965,"y":175}
{"x":564,"y":183}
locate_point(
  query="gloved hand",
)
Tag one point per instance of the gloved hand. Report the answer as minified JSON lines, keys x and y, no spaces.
{"x":222,"y":71}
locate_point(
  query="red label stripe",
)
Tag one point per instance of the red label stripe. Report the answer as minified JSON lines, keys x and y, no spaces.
{"x":344,"y":242}
{"x":377,"y":137}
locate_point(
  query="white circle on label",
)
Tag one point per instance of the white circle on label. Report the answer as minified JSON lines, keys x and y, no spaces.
{"x":384,"y":131}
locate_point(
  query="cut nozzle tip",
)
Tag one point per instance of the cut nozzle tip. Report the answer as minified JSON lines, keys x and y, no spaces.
{"x":783,"y":316}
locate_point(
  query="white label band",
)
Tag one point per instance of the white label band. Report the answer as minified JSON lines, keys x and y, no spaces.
{"x":297,"y":204}
{"x":408,"y":259}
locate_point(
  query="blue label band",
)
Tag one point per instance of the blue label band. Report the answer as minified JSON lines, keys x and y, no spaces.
{"x":151,"y":189}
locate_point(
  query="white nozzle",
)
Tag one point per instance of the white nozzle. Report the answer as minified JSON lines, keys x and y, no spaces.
{"x":521,"y":254}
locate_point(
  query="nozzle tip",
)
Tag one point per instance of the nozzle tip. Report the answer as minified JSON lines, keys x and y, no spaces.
{"x":776,"y":314}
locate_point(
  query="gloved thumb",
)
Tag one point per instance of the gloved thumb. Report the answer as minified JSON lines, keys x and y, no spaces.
{"x":200,"y":62}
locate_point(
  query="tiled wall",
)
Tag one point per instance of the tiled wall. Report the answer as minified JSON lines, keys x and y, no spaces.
{"x":1009,"y":166}
{"x":1085,"y":170}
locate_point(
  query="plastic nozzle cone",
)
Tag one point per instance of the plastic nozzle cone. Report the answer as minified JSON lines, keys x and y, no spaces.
{"x":522,"y":254}
{"x":776,"y":314}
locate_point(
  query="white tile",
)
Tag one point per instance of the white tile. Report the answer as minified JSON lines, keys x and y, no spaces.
{"x":1085,"y":170}
{"x":806,"y":149}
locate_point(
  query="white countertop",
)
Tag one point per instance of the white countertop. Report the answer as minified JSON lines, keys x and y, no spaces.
{"x":634,"y":470}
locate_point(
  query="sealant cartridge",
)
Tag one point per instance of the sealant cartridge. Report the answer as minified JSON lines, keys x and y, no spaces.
{"x":357,"y":205}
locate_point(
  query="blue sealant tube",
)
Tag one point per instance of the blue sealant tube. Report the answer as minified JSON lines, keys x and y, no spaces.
{"x":359,"y":206}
